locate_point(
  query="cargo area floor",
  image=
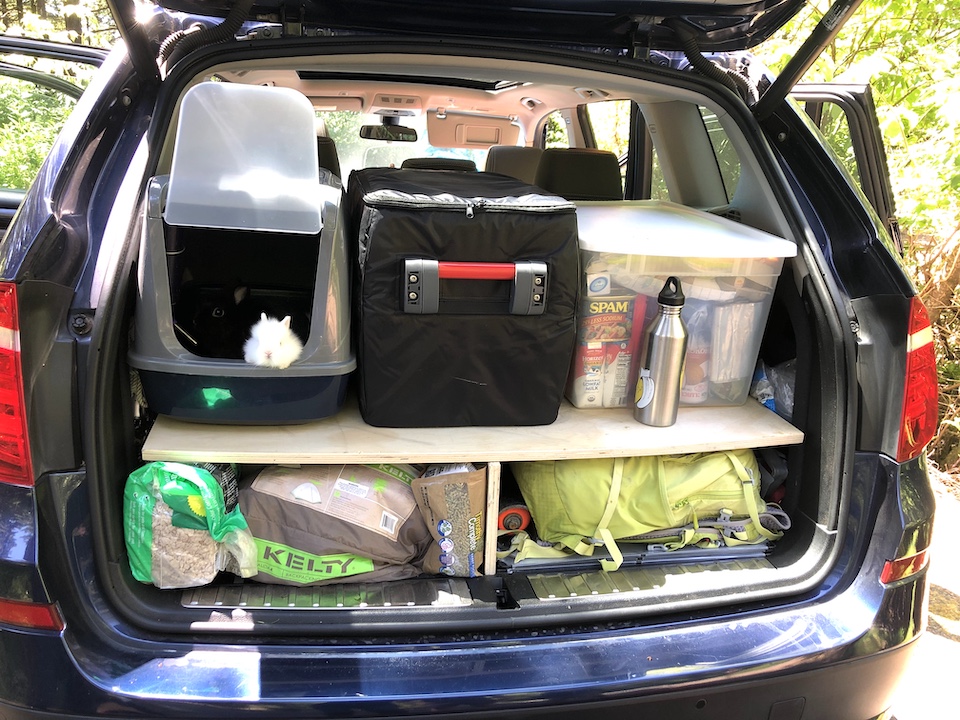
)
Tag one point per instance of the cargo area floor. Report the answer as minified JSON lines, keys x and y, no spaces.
{"x":544,"y":581}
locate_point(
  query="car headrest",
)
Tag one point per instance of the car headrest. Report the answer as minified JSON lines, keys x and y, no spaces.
{"x":580,"y":174}
{"x":517,"y":161}
{"x":327,"y":154}
{"x":431,"y":163}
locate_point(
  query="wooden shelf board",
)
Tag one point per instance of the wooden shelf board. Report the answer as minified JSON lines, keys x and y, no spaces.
{"x":586,"y":433}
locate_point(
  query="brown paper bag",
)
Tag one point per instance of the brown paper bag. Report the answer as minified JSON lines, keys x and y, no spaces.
{"x":453,"y":507}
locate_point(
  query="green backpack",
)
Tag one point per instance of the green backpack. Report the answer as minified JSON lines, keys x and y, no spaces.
{"x":703,"y":500}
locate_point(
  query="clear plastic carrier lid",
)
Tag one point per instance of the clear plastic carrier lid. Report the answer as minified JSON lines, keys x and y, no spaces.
{"x":657,"y":228}
{"x":245,"y":158}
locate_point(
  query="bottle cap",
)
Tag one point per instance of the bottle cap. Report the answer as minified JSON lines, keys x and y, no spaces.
{"x":672,"y":293}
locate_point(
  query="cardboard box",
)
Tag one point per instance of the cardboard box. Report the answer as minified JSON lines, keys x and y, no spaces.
{"x":609,"y":331}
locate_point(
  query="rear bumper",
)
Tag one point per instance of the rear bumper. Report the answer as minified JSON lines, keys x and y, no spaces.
{"x":838,"y":658}
{"x":852,"y":689}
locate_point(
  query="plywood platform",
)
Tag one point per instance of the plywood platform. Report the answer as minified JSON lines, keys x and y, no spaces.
{"x":576,"y":434}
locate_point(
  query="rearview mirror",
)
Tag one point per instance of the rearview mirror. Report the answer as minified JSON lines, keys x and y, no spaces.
{"x":397,"y":133}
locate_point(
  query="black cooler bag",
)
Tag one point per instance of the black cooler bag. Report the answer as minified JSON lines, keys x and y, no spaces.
{"x":466,"y":293}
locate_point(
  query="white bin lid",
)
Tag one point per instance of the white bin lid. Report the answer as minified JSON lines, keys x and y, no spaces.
{"x":653,"y":227}
{"x":245,"y":158}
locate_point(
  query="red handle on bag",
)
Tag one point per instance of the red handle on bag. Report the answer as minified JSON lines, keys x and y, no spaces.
{"x":476,"y":270}
{"x":420,"y":286}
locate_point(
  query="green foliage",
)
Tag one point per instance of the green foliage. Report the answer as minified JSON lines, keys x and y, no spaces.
{"x":27,"y":111}
{"x":31,"y":114}
{"x":344,"y":128}
{"x":556,"y":132}
{"x":79,"y":21}
{"x":836,"y":131}
{"x":909,"y":51}
{"x":611,"y":125}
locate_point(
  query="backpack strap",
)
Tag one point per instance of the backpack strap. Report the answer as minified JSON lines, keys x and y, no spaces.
{"x":602,"y":535}
{"x":526,"y":547}
{"x":751,"y":494}
{"x":585,"y":546}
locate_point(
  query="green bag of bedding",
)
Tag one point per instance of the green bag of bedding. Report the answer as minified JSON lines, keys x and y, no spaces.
{"x":177,"y":526}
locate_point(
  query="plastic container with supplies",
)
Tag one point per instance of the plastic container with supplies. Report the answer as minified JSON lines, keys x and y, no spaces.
{"x":244,"y":225}
{"x":728,"y":271}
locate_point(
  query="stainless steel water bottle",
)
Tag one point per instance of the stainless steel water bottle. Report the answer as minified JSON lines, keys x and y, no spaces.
{"x":657,"y":397}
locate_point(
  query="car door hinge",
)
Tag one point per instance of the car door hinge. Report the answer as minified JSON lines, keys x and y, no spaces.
{"x":291,"y":18}
{"x":640,"y":39}
{"x":893,"y":226}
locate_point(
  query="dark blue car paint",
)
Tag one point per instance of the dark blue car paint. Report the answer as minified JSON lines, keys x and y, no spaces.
{"x":866,"y":267}
{"x":19,"y":575}
{"x":611,"y":24}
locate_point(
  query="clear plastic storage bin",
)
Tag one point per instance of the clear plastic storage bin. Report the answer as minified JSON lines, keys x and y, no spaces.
{"x":728,"y":272}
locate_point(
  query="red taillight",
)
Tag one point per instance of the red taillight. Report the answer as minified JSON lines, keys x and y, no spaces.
{"x":918,"y":421}
{"x":904,"y":567}
{"x":39,"y":616}
{"x":15,"y":466}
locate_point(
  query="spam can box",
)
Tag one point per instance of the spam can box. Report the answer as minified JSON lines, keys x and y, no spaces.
{"x":609,"y":329}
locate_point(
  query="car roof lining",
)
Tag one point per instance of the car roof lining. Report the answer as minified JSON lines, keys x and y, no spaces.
{"x":503,"y":88}
{"x":513,"y":85}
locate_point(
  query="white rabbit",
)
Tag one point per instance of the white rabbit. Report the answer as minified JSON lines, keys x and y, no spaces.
{"x":272,"y":343}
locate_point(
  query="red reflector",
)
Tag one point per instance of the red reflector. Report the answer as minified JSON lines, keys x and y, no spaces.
{"x":15,"y":465}
{"x":38,"y":616}
{"x":904,"y":567}
{"x":918,"y":421}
